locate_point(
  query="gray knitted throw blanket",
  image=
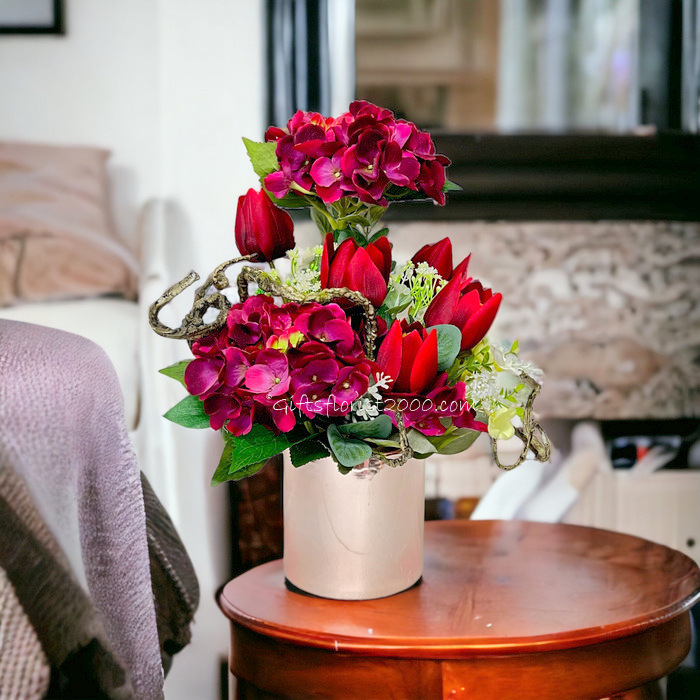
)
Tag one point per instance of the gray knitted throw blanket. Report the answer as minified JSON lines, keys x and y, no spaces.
{"x":62,"y":432}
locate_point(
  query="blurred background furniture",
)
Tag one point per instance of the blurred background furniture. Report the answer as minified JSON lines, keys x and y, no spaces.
{"x":505,"y":609}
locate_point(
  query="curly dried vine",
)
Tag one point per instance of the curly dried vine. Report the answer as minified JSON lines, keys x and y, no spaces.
{"x":540,"y":446}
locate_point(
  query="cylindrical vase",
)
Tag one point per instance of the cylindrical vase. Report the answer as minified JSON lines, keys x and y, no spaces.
{"x":353,"y":536}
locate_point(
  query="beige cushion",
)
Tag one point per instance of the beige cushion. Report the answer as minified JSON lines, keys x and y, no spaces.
{"x":56,"y":238}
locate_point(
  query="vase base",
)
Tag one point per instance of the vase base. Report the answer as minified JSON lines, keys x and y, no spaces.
{"x":295,"y":589}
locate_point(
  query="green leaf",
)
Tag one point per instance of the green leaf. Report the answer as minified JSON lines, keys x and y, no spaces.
{"x":248,"y":470}
{"x":398,"y":299}
{"x":455,"y":442}
{"x":419,"y":443}
{"x":176,"y":371}
{"x":449,"y":339}
{"x":189,"y":413}
{"x":262,"y":156}
{"x":348,"y":453}
{"x":379,"y":427}
{"x":451,"y":186}
{"x":379,"y":234}
{"x":289,"y":201}
{"x":306,"y":451}
{"x":253,"y":448}
{"x":350,"y":232}
{"x":384,"y":443}
{"x":221,"y":473}
{"x":321,"y":221}
{"x":344,"y":470}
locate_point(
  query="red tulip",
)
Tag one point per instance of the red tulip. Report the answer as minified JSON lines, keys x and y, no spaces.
{"x":389,"y":355}
{"x":365,"y":270}
{"x":437,"y":255}
{"x":262,"y":229}
{"x":411,"y":360}
{"x":472,"y":309}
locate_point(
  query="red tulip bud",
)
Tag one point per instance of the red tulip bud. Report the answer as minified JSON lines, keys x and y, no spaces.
{"x":438,"y":256}
{"x":262,"y":229}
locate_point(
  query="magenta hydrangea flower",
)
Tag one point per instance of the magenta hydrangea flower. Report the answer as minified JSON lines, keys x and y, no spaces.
{"x":270,"y":360}
{"x":269,"y":375}
{"x":362,"y":153}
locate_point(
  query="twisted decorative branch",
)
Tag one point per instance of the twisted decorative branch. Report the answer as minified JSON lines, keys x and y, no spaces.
{"x":406,"y":450}
{"x":193,"y":326}
{"x":527,"y":434}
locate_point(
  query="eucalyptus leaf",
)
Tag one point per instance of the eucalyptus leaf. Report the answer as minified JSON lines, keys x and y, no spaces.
{"x":419,"y":443}
{"x":399,"y":296}
{"x":449,"y":339}
{"x":379,"y":427}
{"x":343,"y":235}
{"x":450,"y":186}
{"x":176,"y":371}
{"x":348,"y":453}
{"x":188,"y":413}
{"x":262,"y":156}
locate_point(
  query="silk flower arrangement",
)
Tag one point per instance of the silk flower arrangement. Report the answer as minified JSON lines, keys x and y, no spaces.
{"x":364,"y":358}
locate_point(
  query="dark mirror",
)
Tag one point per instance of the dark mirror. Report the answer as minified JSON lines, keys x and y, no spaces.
{"x":548,"y":109}
{"x":531,"y":65}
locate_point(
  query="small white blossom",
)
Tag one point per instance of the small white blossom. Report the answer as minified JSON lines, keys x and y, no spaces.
{"x":424,"y":269}
{"x":365,"y":408}
{"x":305,"y":275}
{"x":306,"y":281}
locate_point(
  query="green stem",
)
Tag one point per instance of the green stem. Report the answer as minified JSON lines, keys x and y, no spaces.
{"x":322,"y":209}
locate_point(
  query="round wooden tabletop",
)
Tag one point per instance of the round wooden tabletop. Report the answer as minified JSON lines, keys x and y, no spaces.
{"x":506,"y":609}
{"x":489,"y":586}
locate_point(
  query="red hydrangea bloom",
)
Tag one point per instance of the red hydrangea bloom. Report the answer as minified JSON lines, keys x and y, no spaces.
{"x":361,"y":153}
{"x":269,"y":359}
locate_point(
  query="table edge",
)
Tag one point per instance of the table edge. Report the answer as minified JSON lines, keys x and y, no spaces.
{"x":422,"y":647}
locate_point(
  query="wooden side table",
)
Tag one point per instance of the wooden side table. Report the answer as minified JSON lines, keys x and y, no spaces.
{"x":506,"y":609}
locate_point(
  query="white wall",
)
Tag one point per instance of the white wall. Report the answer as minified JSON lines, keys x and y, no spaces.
{"x":170,"y":86}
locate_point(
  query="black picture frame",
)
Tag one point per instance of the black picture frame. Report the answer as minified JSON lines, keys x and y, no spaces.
{"x":57,"y":25}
